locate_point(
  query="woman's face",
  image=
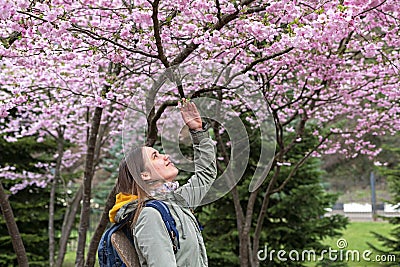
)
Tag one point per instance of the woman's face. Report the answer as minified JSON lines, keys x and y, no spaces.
{"x":158,"y":165}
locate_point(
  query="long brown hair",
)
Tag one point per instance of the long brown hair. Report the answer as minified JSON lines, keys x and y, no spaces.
{"x":130,"y":179}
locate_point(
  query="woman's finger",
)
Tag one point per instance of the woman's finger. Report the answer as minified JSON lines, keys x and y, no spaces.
{"x":189,"y":106}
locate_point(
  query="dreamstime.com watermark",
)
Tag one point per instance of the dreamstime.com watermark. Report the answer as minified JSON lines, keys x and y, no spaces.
{"x":340,"y":254}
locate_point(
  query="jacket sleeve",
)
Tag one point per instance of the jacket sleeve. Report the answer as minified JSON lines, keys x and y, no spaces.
{"x":152,"y":239}
{"x":205,"y":170}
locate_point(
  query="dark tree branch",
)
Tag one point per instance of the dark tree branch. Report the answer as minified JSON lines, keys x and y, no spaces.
{"x":369,"y":9}
{"x":343,"y":44}
{"x":298,"y":165}
{"x":218,"y":6}
{"x":257,"y":61}
{"x":96,"y":36}
{"x":156,"y":28}
{"x":225,"y":19}
{"x":8,"y":41}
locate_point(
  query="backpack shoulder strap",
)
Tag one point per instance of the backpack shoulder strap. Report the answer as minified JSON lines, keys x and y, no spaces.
{"x":107,"y":254}
{"x":168,"y":221}
{"x":125,"y":249}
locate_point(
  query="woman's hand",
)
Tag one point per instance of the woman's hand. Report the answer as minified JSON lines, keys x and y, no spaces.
{"x":191,"y":115}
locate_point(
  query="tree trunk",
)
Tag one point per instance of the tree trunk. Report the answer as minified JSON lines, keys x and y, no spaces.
{"x":113,"y":69}
{"x":243,"y":250}
{"x":87,"y":188}
{"x":240,"y":220}
{"x":94,"y":243}
{"x":12,"y":227}
{"x":68,"y":223}
{"x":57,"y":175}
{"x":51,"y":220}
{"x":262,"y":215}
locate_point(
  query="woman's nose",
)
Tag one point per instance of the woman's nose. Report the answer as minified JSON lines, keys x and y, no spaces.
{"x":166,"y":157}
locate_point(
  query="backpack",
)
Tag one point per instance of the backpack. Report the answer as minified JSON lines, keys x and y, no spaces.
{"x":108,"y":254}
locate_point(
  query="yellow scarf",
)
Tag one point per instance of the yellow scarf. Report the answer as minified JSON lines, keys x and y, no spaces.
{"x":120,"y":200}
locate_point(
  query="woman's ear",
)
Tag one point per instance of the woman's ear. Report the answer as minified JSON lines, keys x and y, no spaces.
{"x":145,"y":175}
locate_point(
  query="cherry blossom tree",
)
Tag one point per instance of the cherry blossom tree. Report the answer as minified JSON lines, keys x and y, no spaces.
{"x":72,"y":68}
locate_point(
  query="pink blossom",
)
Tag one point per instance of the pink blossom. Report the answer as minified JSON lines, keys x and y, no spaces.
{"x":53,"y":76}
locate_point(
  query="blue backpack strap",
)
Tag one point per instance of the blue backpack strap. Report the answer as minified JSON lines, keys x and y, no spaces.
{"x":168,"y":221}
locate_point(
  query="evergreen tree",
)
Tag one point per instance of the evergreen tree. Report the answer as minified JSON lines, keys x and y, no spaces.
{"x":295,"y":217}
{"x":391,"y":243}
{"x":296,"y":220}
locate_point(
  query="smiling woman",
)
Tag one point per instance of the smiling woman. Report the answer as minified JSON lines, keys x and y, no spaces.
{"x":146,"y":174}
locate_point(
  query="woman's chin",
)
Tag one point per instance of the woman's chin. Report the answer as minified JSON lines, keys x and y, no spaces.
{"x":171,"y":178}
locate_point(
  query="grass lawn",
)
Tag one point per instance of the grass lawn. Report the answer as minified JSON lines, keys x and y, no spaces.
{"x":357,"y":235}
{"x":69,"y":260}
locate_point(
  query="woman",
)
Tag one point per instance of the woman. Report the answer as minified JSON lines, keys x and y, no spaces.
{"x":144,"y":174}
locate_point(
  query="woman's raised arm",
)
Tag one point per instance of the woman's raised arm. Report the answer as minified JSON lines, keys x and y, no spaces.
{"x":204,"y":157}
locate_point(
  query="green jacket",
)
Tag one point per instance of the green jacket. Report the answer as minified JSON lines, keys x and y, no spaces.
{"x":152,"y":242}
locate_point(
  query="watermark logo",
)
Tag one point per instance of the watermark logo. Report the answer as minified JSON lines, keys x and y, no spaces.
{"x":331,"y":254}
{"x":341,"y":243}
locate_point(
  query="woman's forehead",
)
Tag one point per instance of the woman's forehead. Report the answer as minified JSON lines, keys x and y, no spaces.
{"x":149,"y":150}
